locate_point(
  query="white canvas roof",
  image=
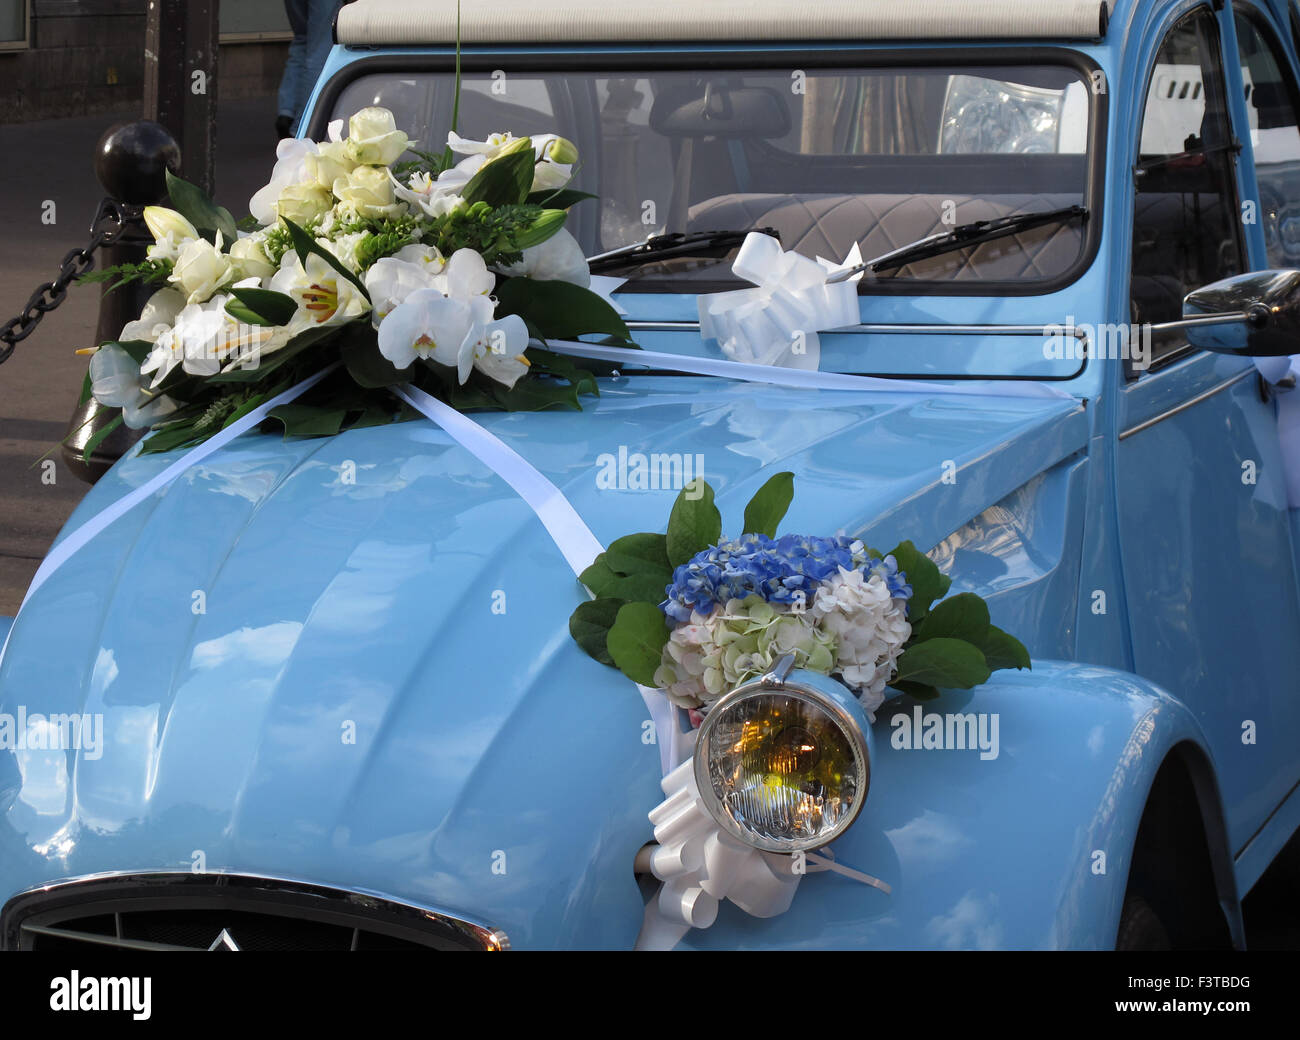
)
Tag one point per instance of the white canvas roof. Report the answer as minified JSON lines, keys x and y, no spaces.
{"x":397,"y":22}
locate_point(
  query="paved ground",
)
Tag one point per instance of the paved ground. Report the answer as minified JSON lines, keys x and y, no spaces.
{"x":51,"y":160}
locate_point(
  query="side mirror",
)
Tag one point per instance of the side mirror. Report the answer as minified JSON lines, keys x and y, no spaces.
{"x":1250,"y":315}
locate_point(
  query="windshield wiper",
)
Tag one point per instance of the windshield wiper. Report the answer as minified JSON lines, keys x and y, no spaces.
{"x":962,"y":236}
{"x":706,"y":244}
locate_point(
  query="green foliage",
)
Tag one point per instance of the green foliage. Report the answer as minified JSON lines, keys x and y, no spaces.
{"x":193,"y":203}
{"x":261,"y":307}
{"x":636,"y":641}
{"x":147,"y":272}
{"x":559,"y":310}
{"x":768,"y":507}
{"x":694,"y":523}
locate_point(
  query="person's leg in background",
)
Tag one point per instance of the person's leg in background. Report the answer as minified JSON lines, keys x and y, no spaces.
{"x":320,"y":38}
{"x":294,"y":83}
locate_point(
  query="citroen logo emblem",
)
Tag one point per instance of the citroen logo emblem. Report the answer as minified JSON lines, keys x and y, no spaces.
{"x":224,"y":942}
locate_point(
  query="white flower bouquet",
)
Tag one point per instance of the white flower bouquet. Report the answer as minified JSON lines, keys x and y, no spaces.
{"x":447,"y":271}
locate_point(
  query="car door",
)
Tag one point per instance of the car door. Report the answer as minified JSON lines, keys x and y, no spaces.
{"x":1204,"y":529}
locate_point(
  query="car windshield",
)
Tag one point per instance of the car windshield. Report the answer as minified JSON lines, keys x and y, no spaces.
{"x":827,"y":157}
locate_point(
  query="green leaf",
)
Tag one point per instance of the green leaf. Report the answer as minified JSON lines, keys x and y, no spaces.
{"x":964,"y":616}
{"x":193,"y":203}
{"x":173,"y":435}
{"x":768,"y":506}
{"x":921,"y":691}
{"x":303,"y":244}
{"x":927,"y":582}
{"x":947,"y":663}
{"x":97,"y":438}
{"x":505,"y":180}
{"x":640,"y":554}
{"x":547,"y":224}
{"x":136,"y":349}
{"x":560,"y":310}
{"x":1003,"y":650}
{"x":261,"y":307}
{"x":307,"y":420}
{"x":636,"y":641}
{"x":590,"y":624}
{"x":86,"y":390}
{"x":369,"y":368}
{"x":694,"y":522}
{"x":559,"y":198}
{"x":641,"y":587}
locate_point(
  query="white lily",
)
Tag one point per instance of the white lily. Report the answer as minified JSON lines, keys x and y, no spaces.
{"x":436,"y":197}
{"x":293,"y":166}
{"x":324,"y":296}
{"x":170,"y":231}
{"x":117,"y":382}
{"x":200,"y":269}
{"x":554,"y":156}
{"x":559,"y":259}
{"x":156,"y":317}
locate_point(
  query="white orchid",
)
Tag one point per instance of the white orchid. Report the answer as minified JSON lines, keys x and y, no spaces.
{"x":453,"y":325}
{"x":117,"y":382}
{"x":390,"y":280}
{"x":156,"y":317}
{"x":170,"y":231}
{"x":324,"y":296}
{"x":435,"y":196}
{"x":201,"y":268}
{"x":559,"y":259}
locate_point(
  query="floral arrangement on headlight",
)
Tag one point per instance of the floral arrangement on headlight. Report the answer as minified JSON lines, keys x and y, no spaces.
{"x":696,"y":615}
{"x":446,"y":271}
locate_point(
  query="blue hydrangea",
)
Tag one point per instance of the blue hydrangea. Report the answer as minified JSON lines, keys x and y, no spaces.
{"x":781,"y":570}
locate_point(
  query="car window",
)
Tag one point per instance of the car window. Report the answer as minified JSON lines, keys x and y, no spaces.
{"x":1186,"y":221}
{"x":829,"y":157}
{"x":1274,"y":138}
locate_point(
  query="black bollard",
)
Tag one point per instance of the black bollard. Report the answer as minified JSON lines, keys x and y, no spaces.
{"x":131,"y":161}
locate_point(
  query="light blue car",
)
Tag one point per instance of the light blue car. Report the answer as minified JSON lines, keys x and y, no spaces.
{"x":322,"y":691}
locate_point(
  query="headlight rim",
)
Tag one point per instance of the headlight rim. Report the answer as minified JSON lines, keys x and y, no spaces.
{"x":777,"y":682}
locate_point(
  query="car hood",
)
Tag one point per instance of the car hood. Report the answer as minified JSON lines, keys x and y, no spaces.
{"x":346,"y":660}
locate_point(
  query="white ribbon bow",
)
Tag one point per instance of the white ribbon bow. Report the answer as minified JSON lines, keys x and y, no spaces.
{"x":777,"y":322}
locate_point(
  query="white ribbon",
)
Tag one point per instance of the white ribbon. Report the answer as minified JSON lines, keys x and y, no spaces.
{"x":798,"y":379}
{"x":777,"y":322}
{"x":74,"y":542}
{"x":1274,"y":370}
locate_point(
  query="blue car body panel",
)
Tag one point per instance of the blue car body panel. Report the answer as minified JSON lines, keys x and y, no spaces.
{"x":370,"y":684}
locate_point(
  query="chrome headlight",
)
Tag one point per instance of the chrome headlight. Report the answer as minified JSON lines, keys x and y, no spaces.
{"x":784,"y":765}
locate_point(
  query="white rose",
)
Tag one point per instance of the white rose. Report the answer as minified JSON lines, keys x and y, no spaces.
{"x":201,"y":269}
{"x":368,"y":191}
{"x":373,"y":137}
{"x":303,"y":203}
{"x":250,"y":258}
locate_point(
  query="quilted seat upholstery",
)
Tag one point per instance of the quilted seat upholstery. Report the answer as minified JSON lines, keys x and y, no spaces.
{"x":828,"y":225}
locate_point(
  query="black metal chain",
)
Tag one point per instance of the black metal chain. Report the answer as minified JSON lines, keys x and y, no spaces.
{"x":110,"y":220}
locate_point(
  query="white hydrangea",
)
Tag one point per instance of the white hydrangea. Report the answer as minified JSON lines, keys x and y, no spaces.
{"x":870,"y":629}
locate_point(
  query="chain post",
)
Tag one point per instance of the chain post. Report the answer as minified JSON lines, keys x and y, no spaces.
{"x":131,"y":162}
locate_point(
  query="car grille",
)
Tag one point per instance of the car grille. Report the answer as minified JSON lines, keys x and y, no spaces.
{"x":225,"y":912}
